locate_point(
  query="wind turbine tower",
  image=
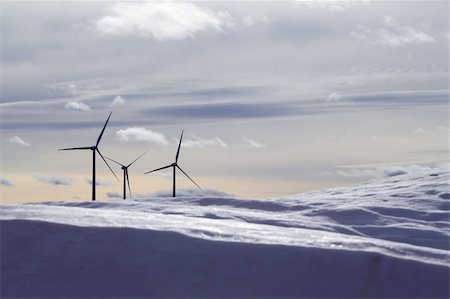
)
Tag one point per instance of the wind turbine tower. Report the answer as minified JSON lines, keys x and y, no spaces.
{"x":174,"y":166}
{"x":126,"y":178}
{"x":94,"y":150}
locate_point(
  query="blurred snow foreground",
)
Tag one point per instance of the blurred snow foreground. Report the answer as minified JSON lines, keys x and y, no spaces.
{"x":386,"y":238}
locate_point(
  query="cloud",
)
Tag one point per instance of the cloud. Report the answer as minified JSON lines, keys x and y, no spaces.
{"x":191,"y":193}
{"x":17,"y":140}
{"x":166,"y":174}
{"x":432,"y":132}
{"x":114,"y":195}
{"x":231,"y":110}
{"x":75,"y":105}
{"x":392,"y":34}
{"x":118,"y":101}
{"x":252,"y":20}
{"x":62,"y":88}
{"x":98,"y":183}
{"x":384,"y":171}
{"x":53,"y":180}
{"x":331,"y":5}
{"x":252,"y":143}
{"x":443,"y":129}
{"x":325,"y":173}
{"x":337,"y":99}
{"x":195,"y":141}
{"x":420,"y":131}
{"x":5,"y":182}
{"x":136,"y":134}
{"x":401,"y":98}
{"x":228,"y":110}
{"x":248,"y":21}
{"x":201,"y":92}
{"x":72,"y":89}
{"x":186,"y":113}
{"x":161,"y":20}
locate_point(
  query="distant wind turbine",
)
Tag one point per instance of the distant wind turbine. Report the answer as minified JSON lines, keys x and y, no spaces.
{"x":126,"y":178}
{"x":175,"y":165}
{"x":94,"y":149}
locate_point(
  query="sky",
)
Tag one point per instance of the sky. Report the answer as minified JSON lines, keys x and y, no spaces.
{"x":275,"y":98}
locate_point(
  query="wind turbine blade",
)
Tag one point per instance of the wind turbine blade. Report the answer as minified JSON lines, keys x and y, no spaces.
{"x":138,"y":158}
{"x":189,"y":177}
{"x":179,"y":145}
{"x":75,"y":148}
{"x":114,"y":161}
{"x":128,"y":180}
{"x":107,"y":164}
{"x":101,"y":134}
{"x":159,"y":169}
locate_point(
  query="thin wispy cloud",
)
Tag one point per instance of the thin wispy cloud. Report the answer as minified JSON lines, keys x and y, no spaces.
{"x":233,"y":111}
{"x":443,"y":129}
{"x":62,"y":88}
{"x":54,"y":180}
{"x":118,"y":101}
{"x":331,"y":5}
{"x":114,"y":195}
{"x":5,"y":182}
{"x":337,"y":99}
{"x":225,"y":110}
{"x":194,"y":141}
{"x":98,"y":183}
{"x":17,"y":140}
{"x":165,"y":174}
{"x":141,"y":134}
{"x":75,"y":105}
{"x":384,"y":171}
{"x":405,"y":98}
{"x":161,"y":20}
{"x":420,"y":131}
{"x":439,"y":130}
{"x":392,"y":34}
{"x":252,"y":143}
{"x":253,"y":20}
{"x":72,"y":89}
{"x":204,"y":193}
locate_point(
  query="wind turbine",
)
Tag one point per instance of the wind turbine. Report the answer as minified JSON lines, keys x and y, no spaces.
{"x":125,"y":174}
{"x":175,"y":165}
{"x":94,"y":149}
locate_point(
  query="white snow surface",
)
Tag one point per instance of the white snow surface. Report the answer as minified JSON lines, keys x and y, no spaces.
{"x":405,"y":217}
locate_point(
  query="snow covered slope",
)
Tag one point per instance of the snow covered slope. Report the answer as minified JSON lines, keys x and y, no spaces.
{"x":387,"y":238}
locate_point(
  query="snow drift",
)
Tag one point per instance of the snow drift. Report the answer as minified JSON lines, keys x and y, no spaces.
{"x":387,"y":238}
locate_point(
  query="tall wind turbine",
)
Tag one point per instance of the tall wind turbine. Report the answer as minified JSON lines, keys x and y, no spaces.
{"x":126,"y":178}
{"x":94,"y":149}
{"x":175,"y":165}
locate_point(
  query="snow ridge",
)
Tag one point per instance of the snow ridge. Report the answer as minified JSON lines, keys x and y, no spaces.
{"x":405,"y":216}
